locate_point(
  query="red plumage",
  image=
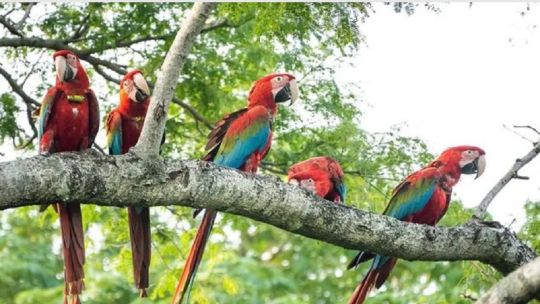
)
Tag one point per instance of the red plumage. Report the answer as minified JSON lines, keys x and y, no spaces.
{"x":69,"y":121}
{"x":322,"y":175}
{"x":437,"y":179}
{"x":126,"y":122}
{"x":240,"y":140}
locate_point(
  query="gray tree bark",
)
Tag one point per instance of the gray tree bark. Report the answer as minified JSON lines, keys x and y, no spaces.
{"x":93,"y":178}
{"x":154,"y":124}
{"x":520,"y":286}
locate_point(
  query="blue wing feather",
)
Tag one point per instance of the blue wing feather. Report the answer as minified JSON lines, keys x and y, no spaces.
{"x":413,"y":205}
{"x":114,"y":133}
{"x":244,"y":147}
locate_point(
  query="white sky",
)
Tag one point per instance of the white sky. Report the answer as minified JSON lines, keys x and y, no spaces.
{"x":454,"y":78}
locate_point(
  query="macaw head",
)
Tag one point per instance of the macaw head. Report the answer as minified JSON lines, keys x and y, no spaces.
{"x":320,"y":175}
{"x":273,"y":89}
{"x":69,"y":69}
{"x":134,"y":87}
{"x":468,"y":159}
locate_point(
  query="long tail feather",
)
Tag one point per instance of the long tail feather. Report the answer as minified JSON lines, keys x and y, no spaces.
{"x":374,"y":278}
{"x":361,"y":257}
{"x":73,"y":249}
{"x":141,"y":246}
{"x":194,"y":258}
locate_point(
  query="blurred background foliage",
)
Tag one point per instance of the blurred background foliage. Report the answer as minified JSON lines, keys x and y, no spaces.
{"x":246,"y":261}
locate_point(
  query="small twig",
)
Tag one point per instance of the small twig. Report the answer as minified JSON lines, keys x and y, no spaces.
{"x":83,"y":27}
{"x":529,"y":127}
{"x":27,"y":11}
{"x":511,"y":174}
{"x":26,"y":143}
{"x":467,"y":296}
{"x":516,"y":133}
{"x":9,"y":12}
{"x":32,"y":68}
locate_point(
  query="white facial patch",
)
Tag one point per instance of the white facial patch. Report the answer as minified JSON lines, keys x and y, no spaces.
{"x":308,"y":184}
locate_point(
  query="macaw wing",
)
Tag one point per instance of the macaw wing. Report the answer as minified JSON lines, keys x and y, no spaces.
{"x":93,"y":107}
{"x":45,"y":110}
{"x":412,"y":195}
{"x":113,"y":127}
{"x":248,"y":133}
{"x":215,"y":138}
{"x":341,"y":189}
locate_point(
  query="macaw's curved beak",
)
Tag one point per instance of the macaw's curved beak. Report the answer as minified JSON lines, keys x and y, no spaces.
{"x":64,"y":71}
{"x":141,"y":90}
{"x":288,"y":92}
{"x":478,"y":166}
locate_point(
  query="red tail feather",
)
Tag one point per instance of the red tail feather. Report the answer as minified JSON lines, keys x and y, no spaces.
{"x":374,"y":278}
{"x":195,"y":256}
{"x":364,"y":288}
{"x":139,"y":231}
{"x":73,"y":248}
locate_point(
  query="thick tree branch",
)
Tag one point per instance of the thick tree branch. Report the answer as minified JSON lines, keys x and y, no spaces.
{"x":511,"y":174}
{"x":94,"y":178}
{"x":154,"y":125}
{"x":520,"y":286}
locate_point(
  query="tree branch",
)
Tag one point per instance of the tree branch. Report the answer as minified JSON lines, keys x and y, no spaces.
{"x":154,"y":125}
{"x":8,"y":24}
{"x":27,"y":11}
{"x":511,"y":174}
{"x":17,"y":88}
{"x":91,"y":177}
{"x":520,"y":286}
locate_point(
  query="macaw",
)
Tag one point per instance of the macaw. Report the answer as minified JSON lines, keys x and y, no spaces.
{"x":322,"y":175}
{"x":124,"y":125}
{"x":240,"y":140}
{"x":422,"y":198}
{"x":69,"y":121}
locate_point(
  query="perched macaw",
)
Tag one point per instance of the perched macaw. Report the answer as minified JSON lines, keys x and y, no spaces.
{"x":422,"y":198}
{"x":240,"y":140}
{"x":322,"y":175}
{"x":69,"y":121}
{"x":124,"y":125}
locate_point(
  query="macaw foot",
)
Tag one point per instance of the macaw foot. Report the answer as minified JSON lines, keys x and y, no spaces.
{"x":491,"y":224}
{"x":45,"y":153}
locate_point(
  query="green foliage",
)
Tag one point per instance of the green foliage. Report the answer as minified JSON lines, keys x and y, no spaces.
{"x":531,"y":230}
{"x":8,"y":119}
{"x":245,"y":261}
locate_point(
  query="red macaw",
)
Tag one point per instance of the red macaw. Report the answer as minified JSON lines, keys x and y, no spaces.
{"x":69,"y":121}
{"x":422,"y":198}
{"x":240,"y":140}
{"x":322,"y":175}
{"x":124,"y":125}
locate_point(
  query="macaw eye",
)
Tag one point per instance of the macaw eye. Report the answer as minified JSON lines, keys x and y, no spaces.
{"x":125,"y":84}
{"x":279,"y":78}
{"x":310,"y":180}
{"x":470,"y":152}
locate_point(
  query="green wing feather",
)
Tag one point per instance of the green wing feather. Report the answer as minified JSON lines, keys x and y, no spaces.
{"x":412,"y":195}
